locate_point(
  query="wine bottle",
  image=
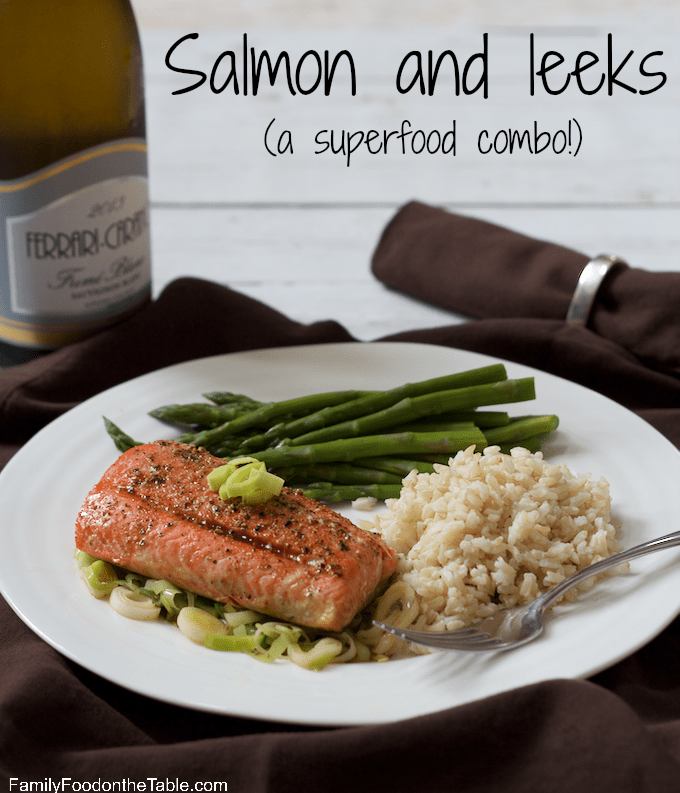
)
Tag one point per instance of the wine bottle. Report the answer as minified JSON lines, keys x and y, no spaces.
{"x":74,"y":214}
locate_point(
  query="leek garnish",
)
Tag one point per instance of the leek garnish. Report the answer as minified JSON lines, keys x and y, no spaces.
{"x":100,"y":577}
{"x":218,"y":476}
{"x":363,"y":652}
{"x":197,"y":624}
{"x":245,"y":478}
{"x":84,"y":559}
{"x":211,"y":606}
{"x":134,"y":582}
{"x":169,"y":596}
{"x":350,"y":653}
{"x":245,"y":617}
{"x":316,"y":656}
{"x":230,"y":642}
{"x":278,"y":647}
{"x":133,"y":605}
{"x":279,"y":637}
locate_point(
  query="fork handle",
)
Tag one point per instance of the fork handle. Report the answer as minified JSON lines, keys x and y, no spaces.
{"x":668,"y":541}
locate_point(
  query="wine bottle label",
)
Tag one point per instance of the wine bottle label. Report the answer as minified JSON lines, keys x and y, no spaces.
{"x":74,"y":245}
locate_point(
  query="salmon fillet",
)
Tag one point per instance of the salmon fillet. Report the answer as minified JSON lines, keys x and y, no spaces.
{"x":291,"y":558}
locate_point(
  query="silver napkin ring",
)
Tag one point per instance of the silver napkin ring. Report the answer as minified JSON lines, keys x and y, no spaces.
{"x":589,"y":281}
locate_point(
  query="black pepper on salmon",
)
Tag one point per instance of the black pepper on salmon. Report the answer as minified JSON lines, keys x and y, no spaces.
{"x":291,"y":557}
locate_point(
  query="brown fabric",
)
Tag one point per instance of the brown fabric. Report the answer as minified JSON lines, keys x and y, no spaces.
{"x":484,"y":270}
{"x":191,"y":319}
{"x":616,"y":733}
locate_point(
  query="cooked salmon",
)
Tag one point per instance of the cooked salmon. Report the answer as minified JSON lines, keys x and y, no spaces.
{"x":291,"y":558}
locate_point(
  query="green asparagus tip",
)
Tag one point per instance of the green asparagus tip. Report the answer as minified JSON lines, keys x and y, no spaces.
{"x":121,"y":439}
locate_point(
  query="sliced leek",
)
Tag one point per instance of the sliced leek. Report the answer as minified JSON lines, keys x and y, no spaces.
{"x":84,"y":559}
{"x":169,"y":596}
{"x":230,"y":643}
{"x":133,"y":605}
{"x":245,"y":617}
{"x":100,"y":577}
{"x":218,"y":476}
{"x":245,"y":478}
{"x":316,"y":657}
{"x":197,"y":624}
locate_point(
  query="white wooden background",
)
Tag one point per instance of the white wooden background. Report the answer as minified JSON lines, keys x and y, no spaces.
{"x":297,"y":231}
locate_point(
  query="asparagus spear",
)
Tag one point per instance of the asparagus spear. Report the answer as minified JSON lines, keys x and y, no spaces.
{"x":349,"y":449}
{"x":338,"y":473}
{"x":431,"y":425}
{"x":228,"y":398}
{"x":335,"y":493}
{"x":262,"y":440}
{"x":396,"y":465}
{"x":201,"y":414}
{"x":441,"y":459}
{"x":426,"y":405}
{"x":522,"y":428}
{"x":480,"y":418}
{"x":372,"y":403}
{"x":272,"y":436}
{"x":269,"y":411}
{"x":122,"y":440}
{"x":532,"y":443}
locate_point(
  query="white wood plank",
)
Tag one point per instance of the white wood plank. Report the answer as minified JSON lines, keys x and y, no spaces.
{"x":396,"y":14}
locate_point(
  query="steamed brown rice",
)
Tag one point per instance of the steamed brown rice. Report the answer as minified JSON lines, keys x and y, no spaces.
{"x":486,"y":531}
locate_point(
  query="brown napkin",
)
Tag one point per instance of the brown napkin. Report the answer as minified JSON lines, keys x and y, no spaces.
{"x":617,"y":733}
{"x":191,"y":319}
{"x":484,"y":270}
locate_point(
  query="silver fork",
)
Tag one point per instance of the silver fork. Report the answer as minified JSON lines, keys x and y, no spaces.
{"x":512,"y":627}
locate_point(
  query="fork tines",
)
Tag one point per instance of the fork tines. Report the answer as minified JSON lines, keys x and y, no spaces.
{"x":468,"y":639}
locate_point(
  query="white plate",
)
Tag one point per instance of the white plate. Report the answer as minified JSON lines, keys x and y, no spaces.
{"x":44,"y":484}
